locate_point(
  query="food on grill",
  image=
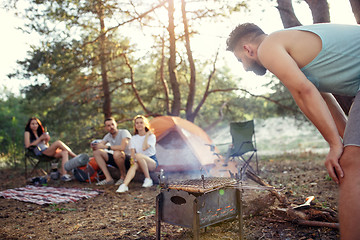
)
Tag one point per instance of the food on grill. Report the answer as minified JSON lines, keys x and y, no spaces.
{"x":202,"y":185}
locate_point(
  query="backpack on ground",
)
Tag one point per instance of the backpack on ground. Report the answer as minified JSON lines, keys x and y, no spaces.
{"x":89,"y":172}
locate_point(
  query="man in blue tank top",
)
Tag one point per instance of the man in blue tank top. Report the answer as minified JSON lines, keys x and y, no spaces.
{"x":314,"y":62}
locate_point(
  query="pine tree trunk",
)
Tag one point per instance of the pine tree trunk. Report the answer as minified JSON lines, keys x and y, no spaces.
{"x":176,"y":103}
{"x":105,"y":83}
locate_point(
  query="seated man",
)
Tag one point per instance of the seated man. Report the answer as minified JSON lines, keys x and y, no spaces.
{"x":117,"y":154}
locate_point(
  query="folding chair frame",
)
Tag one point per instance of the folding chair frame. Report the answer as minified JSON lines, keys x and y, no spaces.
{"x":35,"y":162}
{"x":239,"y":154}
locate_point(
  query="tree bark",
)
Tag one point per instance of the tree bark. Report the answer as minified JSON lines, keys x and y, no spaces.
{"x":176,"y":103}
{"x":319,"y":10}
{"x":355,"y":6}
{"x":287,"y":14}
{"x":105,"y":83}
{"x":317,"y":224}
{"x":192,"y":85}
{"x":162,"y":77}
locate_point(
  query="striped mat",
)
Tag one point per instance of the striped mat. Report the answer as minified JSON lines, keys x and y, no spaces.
{"x":48,"y":195}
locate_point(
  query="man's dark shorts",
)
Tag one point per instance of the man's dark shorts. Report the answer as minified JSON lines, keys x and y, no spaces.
{"x":111,"y":161}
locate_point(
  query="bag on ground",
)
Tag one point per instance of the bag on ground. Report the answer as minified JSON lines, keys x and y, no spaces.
{"x":89,"y":172}
{"x":78,"y":161}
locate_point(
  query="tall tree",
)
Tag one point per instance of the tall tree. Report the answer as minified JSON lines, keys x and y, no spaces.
{"x":192,"y":83}
{"x":99,"y":8}
{"x":176,"y":103}
{"x":97,"y":50}
{"x":91,"y":68}
{"x":183,"y":86}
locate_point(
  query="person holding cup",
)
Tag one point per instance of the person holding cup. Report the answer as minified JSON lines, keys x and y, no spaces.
{"x":37,"y":140}
{"x":112,"y":150}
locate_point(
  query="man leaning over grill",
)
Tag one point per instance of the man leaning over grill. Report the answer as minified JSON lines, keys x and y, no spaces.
{"x":314,"y":62}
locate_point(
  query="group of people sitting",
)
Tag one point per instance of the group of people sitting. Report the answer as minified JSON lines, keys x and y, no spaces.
{"x":118,"y":148}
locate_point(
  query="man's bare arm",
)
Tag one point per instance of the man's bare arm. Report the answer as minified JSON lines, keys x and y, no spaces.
{"x":276,"y":59}
{"x":336,"y":112}
{"x":122,"y":147}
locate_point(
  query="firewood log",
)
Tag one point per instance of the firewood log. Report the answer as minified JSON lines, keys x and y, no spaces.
{"x":281,"y":197}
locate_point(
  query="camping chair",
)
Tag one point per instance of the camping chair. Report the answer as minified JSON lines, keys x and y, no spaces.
{"x":36,"y":162}
{"x":243,"y":148}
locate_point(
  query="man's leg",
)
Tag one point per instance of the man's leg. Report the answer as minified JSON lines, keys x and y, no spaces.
{"x":119,"y":158}
{"x":349,"y":201}
{"x":101,"y":157}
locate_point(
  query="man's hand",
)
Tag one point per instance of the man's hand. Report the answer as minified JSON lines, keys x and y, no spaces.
{"x":45,"y":137}
{"x":332,"y":163}
{"x":99,"y":146}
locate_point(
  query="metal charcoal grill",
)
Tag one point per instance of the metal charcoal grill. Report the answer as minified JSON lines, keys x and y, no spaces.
{"x":199,"y":203}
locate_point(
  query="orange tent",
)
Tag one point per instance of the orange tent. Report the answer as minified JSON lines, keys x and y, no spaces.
{"x":181,"y":145}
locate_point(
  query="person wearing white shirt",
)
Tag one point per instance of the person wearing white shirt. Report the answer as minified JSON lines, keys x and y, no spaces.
{"x":143,"y":153}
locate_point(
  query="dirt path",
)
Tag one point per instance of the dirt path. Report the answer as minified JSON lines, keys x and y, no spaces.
{"x":132,"y":215}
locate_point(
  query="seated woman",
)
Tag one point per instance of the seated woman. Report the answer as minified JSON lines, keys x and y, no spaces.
{"x":143,"y":158}
{"x":37,"y":140}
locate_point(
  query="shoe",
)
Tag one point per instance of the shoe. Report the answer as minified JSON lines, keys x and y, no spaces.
{"x":119,"y":182}
{"x":122,"y":188}
{"x":66,"y":178}
{"x":104,"y":182}
{"x":148,"y":182}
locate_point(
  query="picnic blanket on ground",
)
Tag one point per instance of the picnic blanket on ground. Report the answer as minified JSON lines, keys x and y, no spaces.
{"x":48,"y":195}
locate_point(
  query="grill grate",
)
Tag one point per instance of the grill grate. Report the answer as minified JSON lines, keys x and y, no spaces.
{"x":202,"y":185}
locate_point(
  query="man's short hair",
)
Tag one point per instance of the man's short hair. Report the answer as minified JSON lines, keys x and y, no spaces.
{"x":109,"y":119}
{"x":242,"y":31}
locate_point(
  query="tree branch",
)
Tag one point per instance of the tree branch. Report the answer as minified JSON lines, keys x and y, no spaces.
{"x":269,"y":99}
{"x":137,"y":95}
{"x":220,"y":118}
{"x":207,"y":91}
{"x":254,"y":95}
{"x":128,"y":21}
{"x":287,"y":13}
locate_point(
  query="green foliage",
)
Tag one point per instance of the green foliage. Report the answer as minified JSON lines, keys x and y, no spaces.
{"x":67,"y":70}
{"x":70,"y":100}
{"x":12,"y":126}
{"x":285,"y":104}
